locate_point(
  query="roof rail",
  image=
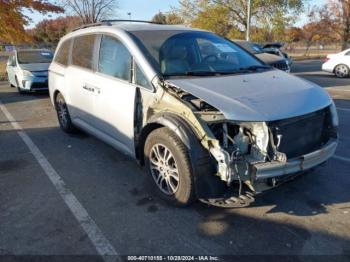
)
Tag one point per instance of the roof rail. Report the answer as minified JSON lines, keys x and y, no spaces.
{"x":92,"y":25}
{"x":131,"y":21}
{"x":109,"y":22}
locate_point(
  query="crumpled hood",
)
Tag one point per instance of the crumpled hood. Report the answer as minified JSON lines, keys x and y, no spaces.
{"x":265,"y":96}
{"x":35,"y":67}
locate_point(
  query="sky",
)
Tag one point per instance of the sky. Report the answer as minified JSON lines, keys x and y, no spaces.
{"x":145,"y":9}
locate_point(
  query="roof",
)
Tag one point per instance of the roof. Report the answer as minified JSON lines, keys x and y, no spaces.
{"x":131,"y":26}
{"x":140,"y":26}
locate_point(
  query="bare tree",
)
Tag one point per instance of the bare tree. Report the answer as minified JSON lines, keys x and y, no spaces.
{"x":91,"y":11}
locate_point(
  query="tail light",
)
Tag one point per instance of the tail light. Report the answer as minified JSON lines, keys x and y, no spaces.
{"x":326,"y":59}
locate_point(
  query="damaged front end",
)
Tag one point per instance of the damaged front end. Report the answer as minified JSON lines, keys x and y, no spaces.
{"x":240,"y":149}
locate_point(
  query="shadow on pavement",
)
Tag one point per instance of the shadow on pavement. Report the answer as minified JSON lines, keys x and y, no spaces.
{"x":12,"y":96}
{"x":270,"y":226}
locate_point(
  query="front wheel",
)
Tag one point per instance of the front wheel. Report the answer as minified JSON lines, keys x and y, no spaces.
{"x":341,"y":71}
{"x":63,"y":115}
{"x":169,"y":167}
{"x":20,"y":90}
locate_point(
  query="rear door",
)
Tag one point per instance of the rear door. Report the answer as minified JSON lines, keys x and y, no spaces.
{"x":80,"y":77}
{"x":114,"y":101}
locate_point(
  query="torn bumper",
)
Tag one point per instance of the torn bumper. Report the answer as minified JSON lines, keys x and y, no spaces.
{"x":303,"y":163}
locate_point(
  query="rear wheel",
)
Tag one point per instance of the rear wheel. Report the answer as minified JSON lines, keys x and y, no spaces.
{"x":169,"y":167}
{"x":63,"y":115}
{"x":341,"y":71}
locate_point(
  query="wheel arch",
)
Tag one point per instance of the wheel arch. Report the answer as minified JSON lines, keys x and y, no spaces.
{"x":172,"y":121}
{"x":54,"y":96}
{"x":202,"y":163}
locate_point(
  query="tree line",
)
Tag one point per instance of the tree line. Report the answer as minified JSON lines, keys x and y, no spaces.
{"x":271,"y":20}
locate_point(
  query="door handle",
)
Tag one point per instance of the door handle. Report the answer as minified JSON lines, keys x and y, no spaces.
{"x":92,"y":89}
{"x":89,"y":88}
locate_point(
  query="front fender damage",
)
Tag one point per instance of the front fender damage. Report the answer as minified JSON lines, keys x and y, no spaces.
{"x":235,"y":146}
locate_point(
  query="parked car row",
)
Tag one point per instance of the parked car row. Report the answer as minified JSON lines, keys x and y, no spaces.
{"x":205,"y":117}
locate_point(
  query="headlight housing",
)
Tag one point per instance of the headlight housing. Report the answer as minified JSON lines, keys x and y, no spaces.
{"x":27,"y":73}
{"x":334,"y":113}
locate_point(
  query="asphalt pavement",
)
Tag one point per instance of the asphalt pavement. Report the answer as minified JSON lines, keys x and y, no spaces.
{"x":74,"y":195}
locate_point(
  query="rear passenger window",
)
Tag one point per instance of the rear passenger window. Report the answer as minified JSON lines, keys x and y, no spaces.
{"x":115,"y":59}
{"x":83,"y":50}
{"x":63,"y":53}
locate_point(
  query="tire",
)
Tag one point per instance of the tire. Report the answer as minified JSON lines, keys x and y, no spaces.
{"x":341,"y":71}
{"x":179,"y":192}
{"x":63,"y":116}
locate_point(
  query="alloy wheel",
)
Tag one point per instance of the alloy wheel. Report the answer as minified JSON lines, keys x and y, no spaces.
{"x":62,"y":111}
{"x":164,"y":169}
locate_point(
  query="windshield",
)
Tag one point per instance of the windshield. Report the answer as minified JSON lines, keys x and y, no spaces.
{"x":34,"y":57}
{"x":250,"y":47}
{"x":178,"y":53}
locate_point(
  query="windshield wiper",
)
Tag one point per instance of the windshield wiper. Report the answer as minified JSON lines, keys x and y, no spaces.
{"x":218,"y":73}
{"x":201,"y":73}
{"x":255,"y":68}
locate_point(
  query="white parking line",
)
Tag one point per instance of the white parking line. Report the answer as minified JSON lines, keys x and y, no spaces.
{"x":346,"y":159}
{"x":101,"y":243}
{"x":343,"y":109}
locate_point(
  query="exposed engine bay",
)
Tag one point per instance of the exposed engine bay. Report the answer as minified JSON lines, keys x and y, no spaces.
{"x":239,"y":146}
{"x":239,"y":143}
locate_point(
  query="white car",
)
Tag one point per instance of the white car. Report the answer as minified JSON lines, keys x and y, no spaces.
{"x":27,"y":69}
{"x":338,"y":64}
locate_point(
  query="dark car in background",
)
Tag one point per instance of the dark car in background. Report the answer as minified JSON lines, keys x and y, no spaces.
{"x":275,"y":49}
{"x":271,"y":59}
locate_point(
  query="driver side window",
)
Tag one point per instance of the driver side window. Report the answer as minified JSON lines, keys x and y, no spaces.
{"x":115,"y":59}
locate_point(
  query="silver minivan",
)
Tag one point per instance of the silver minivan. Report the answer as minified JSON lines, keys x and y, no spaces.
{"x":27,"y":69}
{"x":207,"y":119}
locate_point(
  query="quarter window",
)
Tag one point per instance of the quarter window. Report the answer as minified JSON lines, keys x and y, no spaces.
{"x":83,"y":50}
{"x":140,"y":78}
{"x":348,"y":53}
{"x":115,"y":59}
{"x":63,"y":53}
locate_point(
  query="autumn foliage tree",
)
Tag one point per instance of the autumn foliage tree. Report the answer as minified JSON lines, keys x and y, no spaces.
{"x":50,"y":31}
{"x":229,"y":17}
{"x":339,"y":20}
{"x":13,"y":21}
{"x":170,"y":18}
